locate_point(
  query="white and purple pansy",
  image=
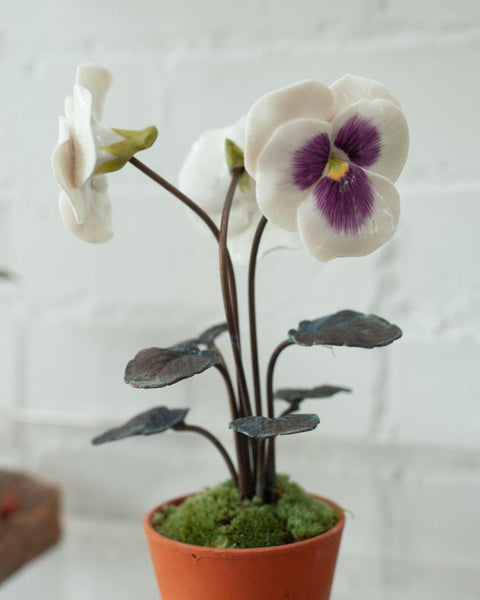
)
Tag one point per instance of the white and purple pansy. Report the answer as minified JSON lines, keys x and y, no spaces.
{"x":325,"y":159}
{"x":86,"y":150}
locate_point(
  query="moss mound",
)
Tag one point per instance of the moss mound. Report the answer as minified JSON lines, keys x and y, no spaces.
{"x":219,"y":518}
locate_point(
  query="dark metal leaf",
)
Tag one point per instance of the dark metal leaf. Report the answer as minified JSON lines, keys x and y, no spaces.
{"x":155,"y":420}
{"x":295,"y":395}
{"x":265,"y":427}
{"x":158,"y":367}
{"x":346,"y":328}
{"x":208,"y":336}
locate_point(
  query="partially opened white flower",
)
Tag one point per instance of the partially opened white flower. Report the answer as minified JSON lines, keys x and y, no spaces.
{"x":86,"y":151}
{"x":324,"y":160}
{"x":205,"y":178}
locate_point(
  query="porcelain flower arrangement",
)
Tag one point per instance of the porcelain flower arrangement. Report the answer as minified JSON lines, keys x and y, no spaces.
{"x":309,"y":164}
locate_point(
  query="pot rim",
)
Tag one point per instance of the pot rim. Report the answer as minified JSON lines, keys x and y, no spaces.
{"x":199,"y":550}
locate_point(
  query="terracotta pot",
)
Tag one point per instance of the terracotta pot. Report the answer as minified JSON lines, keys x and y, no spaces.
{"x":300,"y":571}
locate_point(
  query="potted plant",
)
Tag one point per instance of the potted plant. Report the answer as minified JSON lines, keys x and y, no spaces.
{"x":311,"y":165}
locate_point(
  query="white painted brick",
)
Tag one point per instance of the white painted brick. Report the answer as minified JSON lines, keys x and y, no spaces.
{"x":109,"y":26}
{"x":9,"y":447}
{"x":82,"y":366}
{"x":434,"y":280}
{"x":440,"y":510}
{"x":434,"y":394}
{"x":10,"y":348}
{"x":441,"y":12}
{"x":366,"y":579}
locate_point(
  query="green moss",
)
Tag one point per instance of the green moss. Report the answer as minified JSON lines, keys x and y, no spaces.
{"x":304,"y":516}
{"x":219,"y":518}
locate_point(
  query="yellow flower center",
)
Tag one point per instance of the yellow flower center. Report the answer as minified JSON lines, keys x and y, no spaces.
{"x":337,"y":168}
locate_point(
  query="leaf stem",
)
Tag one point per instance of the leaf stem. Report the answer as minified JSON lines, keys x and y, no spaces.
{"x":270,"y":370}
{"x":270,"y":469}
{"x":291,"y":409}
{"x":260,"y":471}
{"x":218,"y":445}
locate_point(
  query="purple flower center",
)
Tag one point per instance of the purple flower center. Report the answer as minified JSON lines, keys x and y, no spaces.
{"x":360,"y":140}
{"x":344,"y":195}
{"x":310,"y":161}
{"x":346,"y":202}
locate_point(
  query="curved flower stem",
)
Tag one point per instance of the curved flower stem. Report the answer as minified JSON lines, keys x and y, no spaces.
{"x":200,"y":213}
{"x":226,"y":292}
{"x":222,"y":368}
{"x":270,"y":468}
{"x":240,"y":443}
{"x":215,"y":442}
{"x":245,"y":407}
{"x":252,"y":314}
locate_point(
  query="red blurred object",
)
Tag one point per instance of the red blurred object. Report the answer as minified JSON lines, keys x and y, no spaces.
{"x":29,"y":520}
{"x":9,"y":502}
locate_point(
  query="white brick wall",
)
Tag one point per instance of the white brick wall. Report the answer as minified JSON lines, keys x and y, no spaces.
{"x":402,"y":452}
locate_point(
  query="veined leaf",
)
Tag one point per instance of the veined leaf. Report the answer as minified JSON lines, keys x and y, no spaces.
{"x":155,"y":420}
{"x":266,"y":427}
{"x":346,"y":328}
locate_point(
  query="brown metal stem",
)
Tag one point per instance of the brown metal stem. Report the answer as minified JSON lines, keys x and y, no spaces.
{"x":222,"y":368}
{"x":270,"y":370}
{"x":260,"y":479}
{"x":291,"y":409}
{"x":270,"y":469}
{"x":245,"y":407}
{"x":252,"y":315}
{"x":215,"y":442}
{"x":246,"y":410}
{"x":240,"y":442}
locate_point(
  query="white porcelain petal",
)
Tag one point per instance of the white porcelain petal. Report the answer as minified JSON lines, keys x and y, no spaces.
{"x":85,"y":152}
{"x":307,"y":99}
{"x":277,"y":194}
{"x":63,"y":130}
{"x":96,"y":229}
{"x":98,"y":80}
{"x":204,"y":176}
{"x":62,"y":165}
{"x":69,"y":109}
{"x":325,"y":242}
{"x":352,"y":88}
{"x":392,"y":126}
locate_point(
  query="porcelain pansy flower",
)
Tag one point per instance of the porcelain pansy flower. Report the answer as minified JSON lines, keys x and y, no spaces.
{"x":86,"y":150}
{"x":324,"y":159}
{"x":205,"y":178}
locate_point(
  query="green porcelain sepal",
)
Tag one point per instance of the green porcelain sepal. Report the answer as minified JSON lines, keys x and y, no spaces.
{"x":235,"y":158}
{"x":133,"y":142}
